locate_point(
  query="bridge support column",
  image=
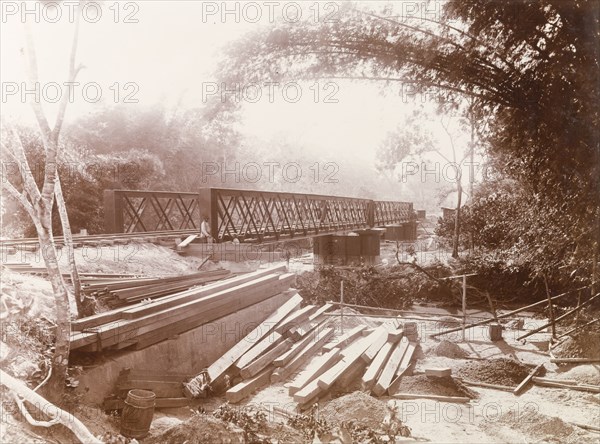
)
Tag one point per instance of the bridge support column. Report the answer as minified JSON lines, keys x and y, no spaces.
{"x":207,"y":205}
{"x":113,"y":212}
{"x":335,"y":249}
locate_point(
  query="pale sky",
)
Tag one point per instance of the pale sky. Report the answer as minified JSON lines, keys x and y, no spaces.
{"x":170,"y":55}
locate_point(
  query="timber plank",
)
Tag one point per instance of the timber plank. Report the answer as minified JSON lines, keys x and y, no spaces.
{"x":246,"y":388}
{"x":266,"y":359}
{"x":200,"y":314}
{"x":225,"y":301}
{"x":105,"y":331}
{"x":346,"y":338}
{"x":389,"y":371}
{"x":295,"y":319}
{"x":308,"y":392}
{"x":350,"y":358}
{"x":379,"y":339}
{"x":188,"y":240}
{"x":527,"y":380}
{"x":297,"y":347}
{"x":224,"y":362}
{"x":309,"y":350}
{"x":173,"y":301}
{"x":273,"y":339}
{"x":319,"y":366}
{"x":370,"y":376}
{"x":174,"y":329}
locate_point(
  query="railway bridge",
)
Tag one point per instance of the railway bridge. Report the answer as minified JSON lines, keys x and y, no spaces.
{"x":251,"y":215}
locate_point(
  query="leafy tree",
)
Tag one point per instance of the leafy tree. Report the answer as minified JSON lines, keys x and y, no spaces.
{"x":532,"y":65}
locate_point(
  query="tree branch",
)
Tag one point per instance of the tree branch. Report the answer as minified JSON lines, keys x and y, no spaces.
{"x":72,"y":75}
{"x":65,"y":418}
{"x":9,"y":187}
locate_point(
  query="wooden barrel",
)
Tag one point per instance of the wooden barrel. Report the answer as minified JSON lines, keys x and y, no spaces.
{"x":137,"y":413}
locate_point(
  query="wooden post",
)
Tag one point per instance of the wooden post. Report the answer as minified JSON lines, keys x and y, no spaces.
{"x":464,"y":305}
{"x":342,"y":307}
{"x":550,"y":307}
{"x":578,"y":306}
{"x":502,"y":316}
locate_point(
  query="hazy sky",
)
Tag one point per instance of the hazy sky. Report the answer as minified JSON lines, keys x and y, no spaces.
{"x":159,"y":51}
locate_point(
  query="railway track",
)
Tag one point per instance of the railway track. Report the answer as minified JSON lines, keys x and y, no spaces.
{"x":95,"y":239}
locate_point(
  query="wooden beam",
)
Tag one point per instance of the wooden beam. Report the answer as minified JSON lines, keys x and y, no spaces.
{"x":308,"y":392}
{"x":316,"y":369}
{"x":188,"y":240}
{"x":309,"y":350}
{"x":204,"y":311}
{"x":380,"y":337}
{"x":350,"y":356}
{"x":406,"y":359}
{"x":345,"y":339}
{"x":178,"y":299}
{"x":295,"y":319}
{"x":370,"y":376}
{"x":325,"y":308}
{"x":559,"y":384}
{"x":389,"y":371}
{"x":574,"y":360}
{"x":249,"y":386}
{"x":118,"y":331}
{"x":527,"y":380}
{"x":266,"y":359}
{"x":220,"y":366}
{"x":438,"y":372}
{"x":285,"y":358}
{"x":486,"y":385}
{"x":272,"y":340}
{"x":459,"y":399}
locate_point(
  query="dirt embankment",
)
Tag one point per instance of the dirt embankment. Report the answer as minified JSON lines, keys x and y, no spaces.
{"x":355,"y":406}
{"x":500,"y":371}
{"x":582,"y":345}
{"x":425,"y":385}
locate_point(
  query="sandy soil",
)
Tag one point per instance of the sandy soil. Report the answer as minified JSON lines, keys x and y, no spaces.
{"x":494,"y":416}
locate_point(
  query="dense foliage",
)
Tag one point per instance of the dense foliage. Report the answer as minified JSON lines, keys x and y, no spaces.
{"x":532,"y":67}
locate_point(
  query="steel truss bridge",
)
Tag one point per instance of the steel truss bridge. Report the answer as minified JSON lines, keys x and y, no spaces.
{"x":252,"y":216}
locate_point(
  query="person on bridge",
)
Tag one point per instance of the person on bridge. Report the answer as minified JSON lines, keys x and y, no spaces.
{"x":205,"y":236}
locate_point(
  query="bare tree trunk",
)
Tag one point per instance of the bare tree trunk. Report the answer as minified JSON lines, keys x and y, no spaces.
{"x":456,"y":239}
{"x":55,"y":386}
{"x":68,"y":245}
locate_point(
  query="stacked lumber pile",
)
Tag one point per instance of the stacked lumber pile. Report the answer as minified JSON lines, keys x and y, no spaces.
{"x":116,"y":292}
{"x":27,"y":268}
{"x":166,"y":386}
{"x":294,"y":339}
{"x":148,"y":323}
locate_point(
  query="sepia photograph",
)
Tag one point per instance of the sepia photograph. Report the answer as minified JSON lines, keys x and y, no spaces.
{"x":299,"y":222}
